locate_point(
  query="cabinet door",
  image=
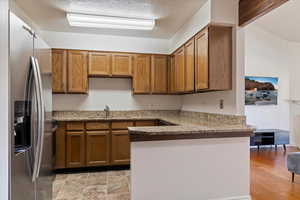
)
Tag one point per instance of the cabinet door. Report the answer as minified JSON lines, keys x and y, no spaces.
{"x":60,"y":146}
{"x":97,"y":148}
{"x":120,"y":147}
{"x":77,"y":71}
{"x":179,"y":70}
{"x":75,"y":149}
{"x":59,"y":71}
{"x":172,"y":78}
{"x":121,"y":65}
{"x":202,"y":79}
{"x":99,"y":64}
{"x":159,"y":74}
{"x":189,"y":49}
{"x":220,"y":57}
{"x":141,"y":76}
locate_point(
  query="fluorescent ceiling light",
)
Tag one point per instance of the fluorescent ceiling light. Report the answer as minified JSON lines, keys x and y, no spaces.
{"x":97,"y":21}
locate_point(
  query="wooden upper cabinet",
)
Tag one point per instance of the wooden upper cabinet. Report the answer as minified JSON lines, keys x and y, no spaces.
{"x":99,"y":64}
{"x":122,"y":64}
{"x":159,"y":74}
{"x":75,"y":149}
{"x":97,"y":148}
{"x":77,"y":71}
{"x":214,"y":59}
{"x":172,"y":78}
{"x":179,"y":70}
{"x":141,"y":75}
{"x":59,"y":71}
{"x":201,"y":69}
{"x":189,"y":49}
{"x":220,"y":58}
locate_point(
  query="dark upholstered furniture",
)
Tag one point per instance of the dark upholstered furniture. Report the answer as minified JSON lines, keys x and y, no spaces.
{"x":293,"y":163}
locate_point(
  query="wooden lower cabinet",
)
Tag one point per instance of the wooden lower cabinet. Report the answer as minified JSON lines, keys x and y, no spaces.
{"x":60,"y":146}
{"x":97,"y":148}
{"x":75,"y":149}
{"x":120,"y":147}
{"x":92,"y":144}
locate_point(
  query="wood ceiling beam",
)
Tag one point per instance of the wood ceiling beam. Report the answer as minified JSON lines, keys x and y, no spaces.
{"x":250,"y":10}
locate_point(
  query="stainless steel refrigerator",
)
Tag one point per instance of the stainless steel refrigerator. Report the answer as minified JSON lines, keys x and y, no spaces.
{"x":31,"y":110}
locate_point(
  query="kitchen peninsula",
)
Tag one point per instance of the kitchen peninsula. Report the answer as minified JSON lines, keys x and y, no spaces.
{"x":209,"y":151}
{"x":201,"y":158}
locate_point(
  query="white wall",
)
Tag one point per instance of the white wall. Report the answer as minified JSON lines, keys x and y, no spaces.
{"x":223,"y":12}
{"x":117,"y":93}
{"x":13,"y":6}
{"x":4,"y":102}
{"x":268,"y":55}
{"x":204,"y":169}
{"x":105,"y":42}
{"x":198,"y":21}
{"x":295,"y":91}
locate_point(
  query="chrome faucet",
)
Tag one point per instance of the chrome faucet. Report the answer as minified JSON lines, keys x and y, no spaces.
{"x":107,"y":111}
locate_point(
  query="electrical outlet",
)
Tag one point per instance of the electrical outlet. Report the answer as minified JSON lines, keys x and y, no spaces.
{"x":221,"y":103}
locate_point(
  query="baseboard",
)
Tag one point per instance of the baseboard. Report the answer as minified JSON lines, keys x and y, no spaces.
{"x":235,"y":198}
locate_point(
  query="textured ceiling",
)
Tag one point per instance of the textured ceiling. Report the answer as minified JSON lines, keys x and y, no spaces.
{"x":170,"y":15}
{"x":283,"y":21}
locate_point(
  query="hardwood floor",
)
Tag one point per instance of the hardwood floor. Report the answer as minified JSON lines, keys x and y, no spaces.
{"x":270,"y":179}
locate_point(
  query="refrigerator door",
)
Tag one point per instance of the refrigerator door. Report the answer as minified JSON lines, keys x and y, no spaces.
{"x":45,"y":174}
{"x":23,"y":111}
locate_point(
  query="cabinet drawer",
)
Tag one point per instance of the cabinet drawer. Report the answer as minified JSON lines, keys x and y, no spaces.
{"x":121,"y":125}
{"x":75,"y":126}
{"x":146,"y":123}
{"x":97,"y":125}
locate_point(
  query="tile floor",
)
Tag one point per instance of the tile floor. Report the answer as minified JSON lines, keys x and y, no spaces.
{"x":109,"y":185}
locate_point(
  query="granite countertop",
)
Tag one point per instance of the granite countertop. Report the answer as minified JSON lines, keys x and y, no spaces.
{"x":185,"y":125}
{"x":102,"y":118}
{"x":187,"y":129}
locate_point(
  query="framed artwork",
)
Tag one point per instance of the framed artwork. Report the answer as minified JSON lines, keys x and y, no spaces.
{"x":261,"y":90}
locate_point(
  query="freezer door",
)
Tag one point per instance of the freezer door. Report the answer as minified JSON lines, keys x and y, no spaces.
{"x":23,"y":112}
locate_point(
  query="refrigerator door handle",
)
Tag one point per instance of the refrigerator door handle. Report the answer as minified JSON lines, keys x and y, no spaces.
{"x":39,"y":116}
{"x":28,"y":112}
{"x":42,"y":118}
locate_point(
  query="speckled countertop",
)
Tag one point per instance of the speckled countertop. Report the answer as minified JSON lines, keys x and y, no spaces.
{"x":189,"y":128}
{"x":187,"y":125}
